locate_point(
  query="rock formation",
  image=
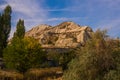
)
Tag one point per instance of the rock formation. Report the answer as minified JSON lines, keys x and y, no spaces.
{"x":64,"y":35}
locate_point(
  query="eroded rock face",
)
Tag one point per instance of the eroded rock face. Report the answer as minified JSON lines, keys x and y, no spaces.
{"x":66,"y":34}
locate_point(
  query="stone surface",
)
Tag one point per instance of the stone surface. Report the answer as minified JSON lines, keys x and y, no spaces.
{"x":64,"y":35}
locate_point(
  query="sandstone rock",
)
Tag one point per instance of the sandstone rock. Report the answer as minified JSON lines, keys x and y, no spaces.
{"x":66,"y":34}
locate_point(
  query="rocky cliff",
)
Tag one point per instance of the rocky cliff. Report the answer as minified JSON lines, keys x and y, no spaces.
{"x":64,"y":35}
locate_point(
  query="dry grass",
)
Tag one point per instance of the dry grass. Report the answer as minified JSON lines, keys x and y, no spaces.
{"x":10,"y":75}
{"x":33,"y":74}
{"x":44,"y":74}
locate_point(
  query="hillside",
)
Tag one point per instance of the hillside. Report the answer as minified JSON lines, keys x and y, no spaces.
{"x":64,"y":35}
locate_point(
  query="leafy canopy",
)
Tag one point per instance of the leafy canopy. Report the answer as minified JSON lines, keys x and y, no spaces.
{"x":24,"y":54}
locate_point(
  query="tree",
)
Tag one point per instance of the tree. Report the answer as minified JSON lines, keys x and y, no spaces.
{"x":5,"y":27}
{"x":0,"y":35}
{"x":24,"y":54}
{"x":20,"y":31}
{"x":95,"y":60}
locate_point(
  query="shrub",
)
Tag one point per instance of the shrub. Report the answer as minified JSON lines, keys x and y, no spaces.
{"x":23,"y":54}
{"x":97,"y":60}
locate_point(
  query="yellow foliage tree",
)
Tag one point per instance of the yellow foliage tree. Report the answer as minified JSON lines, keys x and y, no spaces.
{"x":24,"y":54}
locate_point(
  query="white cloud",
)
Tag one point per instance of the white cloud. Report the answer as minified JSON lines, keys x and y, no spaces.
{"x":54,"y":19}
{"x":28,"y":10}
{"x":113,"y":26}
{"x":109,"y":24}
{"x":12,"y":32}
{"x":26,"y":7}
{"x":2,"y":7}
{"x":65,"y":18}
{"x":58,"y":19}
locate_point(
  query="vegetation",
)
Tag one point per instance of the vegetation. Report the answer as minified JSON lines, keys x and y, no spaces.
{"x":43,"y":74}
{"x":23,"y":54}
{"x":10,"y":75}
{"x":97,"y":60}
{"x":20,"y":31}
{"x":33,"y":74}
{"x":5,"y":27}
{"x":61,"y":59}
{"x":65,"y":58}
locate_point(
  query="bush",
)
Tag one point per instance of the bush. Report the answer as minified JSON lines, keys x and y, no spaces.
{"x":97,"y":60}
{"x":23,"y":54}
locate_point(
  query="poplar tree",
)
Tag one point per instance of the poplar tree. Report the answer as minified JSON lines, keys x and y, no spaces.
{"x":20,"y":31}
{"x":5,"y":27}
{"x":0,"y":35}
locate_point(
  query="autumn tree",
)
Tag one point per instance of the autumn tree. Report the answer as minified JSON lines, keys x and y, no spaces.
{"x":114,"y":74}
{"x":24,"y":54}
{"x":95,"y":60}
{"x":5,"y":27}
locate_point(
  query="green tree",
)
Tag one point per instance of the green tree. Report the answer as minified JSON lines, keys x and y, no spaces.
{"x":20,"y":31}
{"x":24,"y":54}
{"x":5,"y":27}
{"x":0,"y":35}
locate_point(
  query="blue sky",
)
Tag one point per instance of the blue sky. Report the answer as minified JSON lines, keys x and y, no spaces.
{"x":103,"y":14}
